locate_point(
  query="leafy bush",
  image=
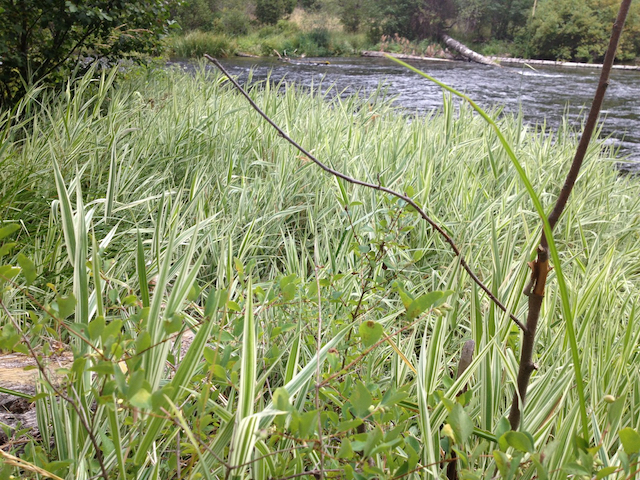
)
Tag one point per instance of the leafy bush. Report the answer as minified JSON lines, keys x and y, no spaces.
{"x":352,"y":14}
{"x":41,"y":39}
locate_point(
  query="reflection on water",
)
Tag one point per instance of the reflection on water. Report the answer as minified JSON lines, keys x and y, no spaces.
{"x":544,"y":94}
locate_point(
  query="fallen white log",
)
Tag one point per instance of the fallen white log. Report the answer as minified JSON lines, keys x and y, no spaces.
{"x":467,"y":52}
{"x":403,"y":56}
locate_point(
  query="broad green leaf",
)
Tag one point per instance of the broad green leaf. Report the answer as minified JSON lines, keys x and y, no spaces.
{"x":7,"y":271}
{"x":614,"y":411}
{"x":8,"y":230}
{"x":96,"y":327}
{"x":404,"y":295}
{"x":391,"y":397}
{"x":502,"y":427}
{"x":348,"y":425}
{"x":174,"y":324}
{"x":308,"y":424}
{"x":345,"y":449}
{"x":289,"y":292}
{"x":281,"y":399}
{"x":422,"y":304}
{"x":468,"y":475}
{"x":143,"y":342}
{"x":502,"y":463}
{"x":141,"y":399}
{"x":370,"y":332}
{"x":360,"y":399}
{"x":630,"y":440}
{"x":374,"y":437}
{"x":605,"y":472}
{"x":460,"y":423}
{"x":129,"y":300}
{"x":573,"y":468}
{"x":519,"y":441}
{"x":6,"y":248}
{"x":66,"y":305}
{"x":102,"y":368}
{"x":219,"y":372}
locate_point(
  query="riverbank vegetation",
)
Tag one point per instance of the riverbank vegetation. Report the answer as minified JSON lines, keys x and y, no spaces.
{"x":42,"y":41}
{"x":568,"y":30}
{"x":324,"y":322}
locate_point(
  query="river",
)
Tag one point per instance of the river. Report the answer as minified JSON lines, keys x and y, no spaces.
{"x":544,"y":94}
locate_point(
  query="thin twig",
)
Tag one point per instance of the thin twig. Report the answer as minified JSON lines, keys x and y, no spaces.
{"x":386,"y":338}
{"x":378,"y":187}
{"x":24,"y":465}
{"x":312,"y":473}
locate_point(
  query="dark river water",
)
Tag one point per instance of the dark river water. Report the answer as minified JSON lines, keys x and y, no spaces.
{"x":544,"y":94}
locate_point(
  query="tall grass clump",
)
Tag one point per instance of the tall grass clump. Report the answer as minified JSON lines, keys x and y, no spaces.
{"x":233,"y":312}
{"x":196,"y":43}
{"x":286,"y":38}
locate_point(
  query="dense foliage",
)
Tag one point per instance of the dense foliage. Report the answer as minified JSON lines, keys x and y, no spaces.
{"x":579,"y":30}
{"x":321,"y":323}
{"x":46,"y":39}
{"x":548,"y":29}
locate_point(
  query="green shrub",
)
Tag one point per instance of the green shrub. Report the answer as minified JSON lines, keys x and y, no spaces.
{"x":315,"y":43}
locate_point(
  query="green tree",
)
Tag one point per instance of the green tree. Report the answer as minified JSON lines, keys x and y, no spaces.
{"x":352,"y":13}
{"x":270,"y":11}
{"x":493,"y":19}
{"x":579,"y":30}
{"x":196,"y":14}
{"x":44,"y":38}
{"x":414,"y":19}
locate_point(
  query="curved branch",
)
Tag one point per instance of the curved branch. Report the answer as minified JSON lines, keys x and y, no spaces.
{"x":380,"y":188}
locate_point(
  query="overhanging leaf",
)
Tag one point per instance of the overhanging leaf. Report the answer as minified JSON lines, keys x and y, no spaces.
{"x":519,"y":441}
{"x":422,"y":304}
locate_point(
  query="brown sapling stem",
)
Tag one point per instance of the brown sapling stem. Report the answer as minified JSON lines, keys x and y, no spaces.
{"x":540,"y":267}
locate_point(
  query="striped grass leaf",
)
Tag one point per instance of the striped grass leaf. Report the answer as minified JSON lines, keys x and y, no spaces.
{"x":244,"y":435}
{"x":185,"y":370}
{"x":430,"y":440}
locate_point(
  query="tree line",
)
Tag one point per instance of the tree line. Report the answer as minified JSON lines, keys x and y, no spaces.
{"x":43,"y":39}
{"x":570,"y":30}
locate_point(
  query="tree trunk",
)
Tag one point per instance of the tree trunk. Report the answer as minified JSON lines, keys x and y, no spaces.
{"x":467,"y":52}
